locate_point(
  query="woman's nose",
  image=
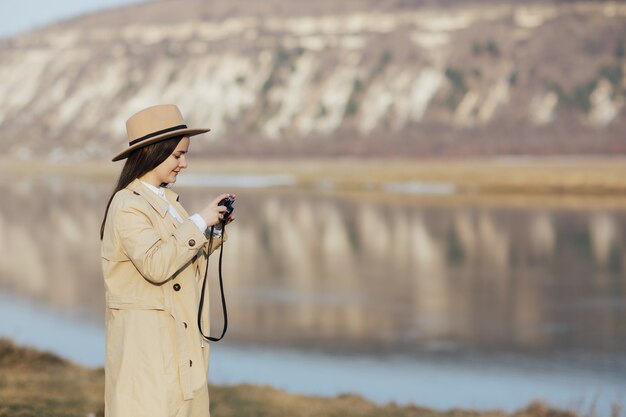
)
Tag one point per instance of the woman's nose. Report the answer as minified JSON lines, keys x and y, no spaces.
{"x":182,"y":162}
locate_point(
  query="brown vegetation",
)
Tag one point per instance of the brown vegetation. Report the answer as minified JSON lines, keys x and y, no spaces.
{"x":34,"y":383}
{"x":565,"y":176}
{"x":551,"y":182}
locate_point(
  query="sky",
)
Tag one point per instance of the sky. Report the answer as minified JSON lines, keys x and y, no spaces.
{"x":25,"y":15}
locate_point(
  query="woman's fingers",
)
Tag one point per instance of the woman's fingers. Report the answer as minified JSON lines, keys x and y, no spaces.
{"x":217,"y":199}
{"x":214,"y":214}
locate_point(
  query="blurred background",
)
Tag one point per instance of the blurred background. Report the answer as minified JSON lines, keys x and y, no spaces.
{"x":431,"y":194}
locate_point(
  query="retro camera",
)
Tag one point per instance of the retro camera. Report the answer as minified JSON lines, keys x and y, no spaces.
{"x":228,"y":203}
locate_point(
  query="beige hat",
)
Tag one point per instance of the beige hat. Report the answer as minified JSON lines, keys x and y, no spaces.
{"x":154,"y":124}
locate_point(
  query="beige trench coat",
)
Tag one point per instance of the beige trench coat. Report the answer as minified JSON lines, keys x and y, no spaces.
{"x":156,"y":362}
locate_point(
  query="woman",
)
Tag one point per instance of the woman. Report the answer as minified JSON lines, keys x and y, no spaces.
{"x":152,"y":256}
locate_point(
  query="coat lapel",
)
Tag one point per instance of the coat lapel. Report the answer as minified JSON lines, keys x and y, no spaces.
{"x":173,"y":198}
{"x":157,"y":203}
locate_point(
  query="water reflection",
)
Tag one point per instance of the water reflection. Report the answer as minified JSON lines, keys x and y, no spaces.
{"x":48,"y":242}
{"x":340,"y":274}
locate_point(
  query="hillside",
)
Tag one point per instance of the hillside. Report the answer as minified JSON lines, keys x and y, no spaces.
{"x":325,"y":78}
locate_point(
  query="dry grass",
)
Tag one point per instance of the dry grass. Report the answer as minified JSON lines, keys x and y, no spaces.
{"x":34,"y":383}
{"x":255,"y":401}
{"x":484,"y":176}
{"x":562,"y":183}
{"x":588,"y":176}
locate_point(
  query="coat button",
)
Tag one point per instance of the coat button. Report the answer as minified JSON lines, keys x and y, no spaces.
{"x":185,"y":324}
{"x":192,"y":242}
{"x":176,"y":287}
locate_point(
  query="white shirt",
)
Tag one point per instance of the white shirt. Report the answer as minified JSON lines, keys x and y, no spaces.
{"x":195,"y":218}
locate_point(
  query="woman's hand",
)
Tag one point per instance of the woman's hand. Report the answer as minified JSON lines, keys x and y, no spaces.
{"x":230,"y":218}
{"x":218,"y":226}
{"x":213,"y":214}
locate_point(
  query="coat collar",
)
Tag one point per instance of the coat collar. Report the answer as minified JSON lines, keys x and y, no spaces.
{"x":155,"y":201}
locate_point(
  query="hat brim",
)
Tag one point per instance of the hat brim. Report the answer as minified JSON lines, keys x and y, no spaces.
{"x":182,"y":132}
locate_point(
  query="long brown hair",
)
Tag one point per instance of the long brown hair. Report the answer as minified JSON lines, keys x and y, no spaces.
{"x":140,"y":162}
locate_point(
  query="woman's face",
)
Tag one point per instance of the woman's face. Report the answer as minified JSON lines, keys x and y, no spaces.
{"x":167,"y":171}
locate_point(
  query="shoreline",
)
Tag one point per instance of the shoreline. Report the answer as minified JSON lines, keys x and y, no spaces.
{"x":588,"y":176}
{"x":550,"y":182}
{"x":34,"y":382}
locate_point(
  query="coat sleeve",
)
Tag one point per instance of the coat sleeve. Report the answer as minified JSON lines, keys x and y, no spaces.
{"x":158,"y":260}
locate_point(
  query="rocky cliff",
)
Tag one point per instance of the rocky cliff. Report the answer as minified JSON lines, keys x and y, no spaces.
{"x":325,"y":78}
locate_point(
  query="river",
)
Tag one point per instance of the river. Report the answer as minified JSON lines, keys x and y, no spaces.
{"x":442,"y":304}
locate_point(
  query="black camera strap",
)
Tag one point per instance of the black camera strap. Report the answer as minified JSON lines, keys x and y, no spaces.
{"x":204,"y":281}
